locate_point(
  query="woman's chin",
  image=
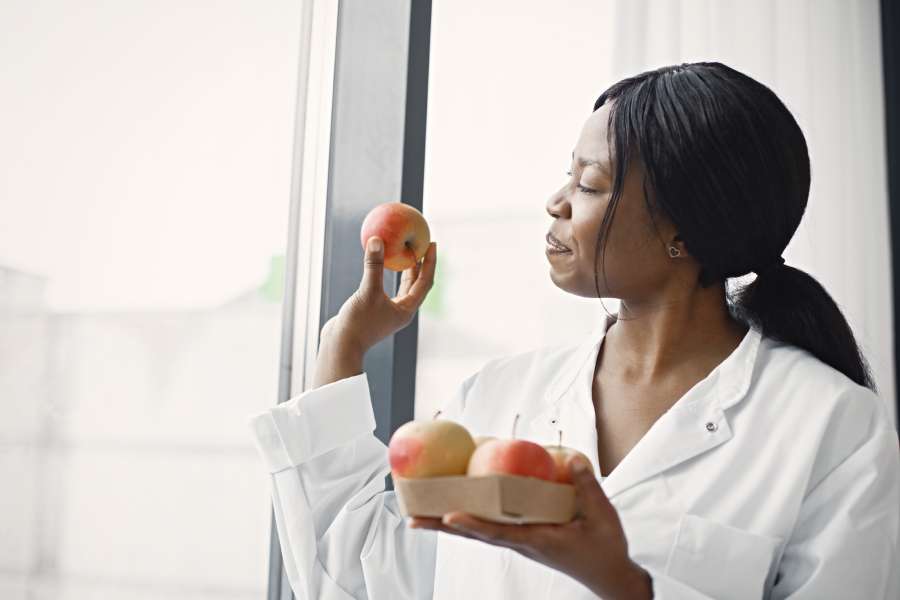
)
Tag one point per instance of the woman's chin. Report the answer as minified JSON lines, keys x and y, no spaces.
{"x":562,"y":280}
{"x":569,"y":283}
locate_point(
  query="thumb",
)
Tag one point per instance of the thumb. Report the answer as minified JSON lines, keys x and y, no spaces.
{"x":589,"y":496}
{"x":373,"y":270}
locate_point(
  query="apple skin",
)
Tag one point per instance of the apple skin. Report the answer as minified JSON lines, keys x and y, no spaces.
{"x":404,"y":231}
{"x":480,"y":439}
{"x":512,"y":457}
{"x":434,"y":448}
{"x":561,"y":456}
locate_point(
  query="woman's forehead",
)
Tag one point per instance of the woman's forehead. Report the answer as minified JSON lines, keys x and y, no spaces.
{"x":592,"y":148}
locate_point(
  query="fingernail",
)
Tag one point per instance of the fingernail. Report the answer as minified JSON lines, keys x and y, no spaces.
{"x":453,"y":524}
{"x":374,"y":244}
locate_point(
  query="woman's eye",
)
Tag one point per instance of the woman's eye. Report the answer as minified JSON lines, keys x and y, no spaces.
{"x":580,"y":187}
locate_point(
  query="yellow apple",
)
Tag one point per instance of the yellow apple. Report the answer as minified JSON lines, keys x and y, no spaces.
{"x":430,"y":449}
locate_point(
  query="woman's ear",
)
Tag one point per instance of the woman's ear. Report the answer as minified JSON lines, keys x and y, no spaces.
{"x":676,"y":248}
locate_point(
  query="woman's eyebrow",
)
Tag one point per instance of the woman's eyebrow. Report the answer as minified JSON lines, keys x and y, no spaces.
{"x":584,"y":162}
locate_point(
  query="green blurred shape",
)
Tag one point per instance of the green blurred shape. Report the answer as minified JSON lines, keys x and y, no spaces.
{"x":433,"y":305}
{"x":272,"y":290}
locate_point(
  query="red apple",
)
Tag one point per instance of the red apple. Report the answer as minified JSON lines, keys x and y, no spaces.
{"x":430,"y":449}
{"x":404,"y":231}
{"x":561,"y":456}
{"x":512,"y":457}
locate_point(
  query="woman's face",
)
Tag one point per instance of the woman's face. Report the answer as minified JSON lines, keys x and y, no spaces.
{"x":637,"y":263}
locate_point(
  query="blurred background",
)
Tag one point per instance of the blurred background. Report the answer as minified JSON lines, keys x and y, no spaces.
{"x":145,"y":168}
{"x":145,"y":175}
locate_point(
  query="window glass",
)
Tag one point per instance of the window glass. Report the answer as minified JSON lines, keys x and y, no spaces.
{"x":502,"y":123}
{"x":146,"y":156}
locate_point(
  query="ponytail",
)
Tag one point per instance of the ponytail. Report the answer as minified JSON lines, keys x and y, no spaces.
{"x":790,"y":306}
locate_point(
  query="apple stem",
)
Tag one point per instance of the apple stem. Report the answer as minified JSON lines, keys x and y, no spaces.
{"x":436,"y":414}
{"x":560,"y":438}
{"x":515,"y":421}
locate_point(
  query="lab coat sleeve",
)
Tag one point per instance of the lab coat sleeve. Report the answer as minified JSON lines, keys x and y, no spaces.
{"x":342,"y":534}
{"x":844,"y":543}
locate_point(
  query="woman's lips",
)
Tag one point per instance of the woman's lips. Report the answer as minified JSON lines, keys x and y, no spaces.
{"x":554,"y":246}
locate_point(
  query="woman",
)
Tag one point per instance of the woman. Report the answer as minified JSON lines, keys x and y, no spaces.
{"x":742,"y":451}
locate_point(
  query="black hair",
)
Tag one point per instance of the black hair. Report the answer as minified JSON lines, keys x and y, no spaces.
{"x":726,"y":162}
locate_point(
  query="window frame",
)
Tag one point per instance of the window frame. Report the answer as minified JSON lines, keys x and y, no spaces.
{"x":890,"y":25}
{"x":372,"y":130}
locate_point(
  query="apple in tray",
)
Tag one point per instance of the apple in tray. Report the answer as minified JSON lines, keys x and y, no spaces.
{"x":512,"y":457}
{"x":480,"y":439}
{"x":561,"y":456}
{"x":430,"y":449}
{"x":438,"y":467}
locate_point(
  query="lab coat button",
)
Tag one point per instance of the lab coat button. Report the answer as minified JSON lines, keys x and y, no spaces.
{"x":711,"y":427}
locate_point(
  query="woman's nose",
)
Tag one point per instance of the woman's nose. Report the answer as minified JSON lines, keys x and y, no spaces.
{"x":557,"y":205}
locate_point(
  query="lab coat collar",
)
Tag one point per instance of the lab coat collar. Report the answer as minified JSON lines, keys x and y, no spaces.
{"x":697,"y":422}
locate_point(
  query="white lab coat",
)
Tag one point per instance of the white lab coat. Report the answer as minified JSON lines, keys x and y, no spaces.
{"x":774,"y":477}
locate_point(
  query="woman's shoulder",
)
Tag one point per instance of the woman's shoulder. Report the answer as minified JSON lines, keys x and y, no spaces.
{"x":799,"y":397}
{"x":519,"y":381}
{"x":546,"y":358}
{"x":797,"y":388}
{"x":798,"y":369}
{"x":531,"y":370}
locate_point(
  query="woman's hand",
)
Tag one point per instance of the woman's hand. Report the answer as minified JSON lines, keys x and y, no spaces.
{"x":591,"y":548}
{"x":369,"y":315}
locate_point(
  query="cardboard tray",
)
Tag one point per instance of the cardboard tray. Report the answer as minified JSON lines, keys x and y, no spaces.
{"x":498,"y":498}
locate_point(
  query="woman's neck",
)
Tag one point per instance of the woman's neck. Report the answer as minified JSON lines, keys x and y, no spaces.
{"x":648,"y":343}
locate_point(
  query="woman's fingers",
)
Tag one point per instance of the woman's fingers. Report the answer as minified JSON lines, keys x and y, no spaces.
{"x":373,"y":270}
{"x":423,"y":282}
{"x":407,"y":278}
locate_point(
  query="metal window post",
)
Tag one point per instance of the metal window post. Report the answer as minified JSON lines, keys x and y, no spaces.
{"x":377,"y":154}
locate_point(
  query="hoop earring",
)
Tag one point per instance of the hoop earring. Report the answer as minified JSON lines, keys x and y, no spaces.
{"x":674,"y":252}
